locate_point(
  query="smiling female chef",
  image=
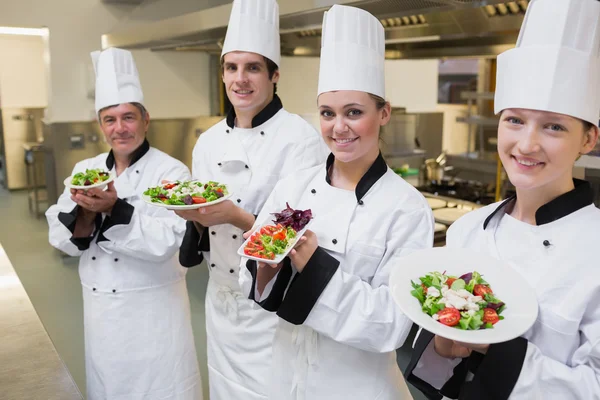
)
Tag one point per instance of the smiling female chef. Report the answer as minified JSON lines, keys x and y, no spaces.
{"x":338,"y":328}
{"x":548,"y":94}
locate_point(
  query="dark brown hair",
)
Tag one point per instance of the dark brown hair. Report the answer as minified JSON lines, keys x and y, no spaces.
{"x":271,"y":69}
{"x":587,"y":126}
{"x":379,"y":102}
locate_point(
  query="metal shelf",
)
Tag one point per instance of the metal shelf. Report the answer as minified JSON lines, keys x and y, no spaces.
{"x":479,"y":120}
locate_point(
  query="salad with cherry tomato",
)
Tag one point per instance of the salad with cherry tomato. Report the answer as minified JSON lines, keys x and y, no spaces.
{"x":269,"y":241}
{"x":187,"y":193}
{"x":466,"y":302}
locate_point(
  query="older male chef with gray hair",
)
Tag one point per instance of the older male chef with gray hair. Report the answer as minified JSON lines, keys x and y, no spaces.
{"x":138,"y":335}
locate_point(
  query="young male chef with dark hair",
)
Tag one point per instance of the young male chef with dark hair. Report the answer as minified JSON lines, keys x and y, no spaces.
{"x":548,"y":95}
{"x":256,"y":145}
{"x":139,"y":343}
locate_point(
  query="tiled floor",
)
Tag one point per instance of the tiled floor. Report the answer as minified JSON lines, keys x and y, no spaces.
{"x":52,"y":283}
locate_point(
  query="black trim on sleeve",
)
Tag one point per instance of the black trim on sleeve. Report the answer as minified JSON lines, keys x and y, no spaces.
{"x":70,"y":219}
{"x":121,"y":214}
{"x":306,"y":289}
{"x":498,"y":371}
{"x":429,"y":391}
{"x":192,"y":246}
{"x":275,"y":298}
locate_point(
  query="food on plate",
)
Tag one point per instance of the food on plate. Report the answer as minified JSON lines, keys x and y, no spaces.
{"x":466,"y":302}
{"x":296,"y":219}
{"x":89,"y":177}
{"x":187,"y":193}
{"x":272,"y":240}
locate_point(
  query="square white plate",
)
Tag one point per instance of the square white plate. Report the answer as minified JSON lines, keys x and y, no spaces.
{"x":279,"y":258}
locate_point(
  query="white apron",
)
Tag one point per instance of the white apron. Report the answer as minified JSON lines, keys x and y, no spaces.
{"x":139,"y":343}
{"x":250,"y":161}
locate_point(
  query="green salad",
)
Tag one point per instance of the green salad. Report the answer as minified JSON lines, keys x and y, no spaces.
{"x":89,"y":177}
{"x":187,"y":193}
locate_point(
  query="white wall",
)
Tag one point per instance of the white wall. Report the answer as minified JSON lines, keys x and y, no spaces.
{"x":175,"y":85}
{"x":409,"y":83}
{"x":22,"y":74}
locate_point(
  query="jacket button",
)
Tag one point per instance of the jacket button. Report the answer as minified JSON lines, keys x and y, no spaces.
{"x":245,"y":166}
{"x":334,"y":241}
{"x":239,"y":200}
{"x":94,"y":289}
{"x":546,"y":243}
{"x":213,"y":233}
{"x":93,"y":258}
{"x":227,"y":130}
{"x":213,"y":265}
{"x":262,"y":133}
{"x":219,"y":164}
{"x":114,"y":290}
{"x":116,"y":260}
{"x":137,"y":171}
{"x":360,"y":202}
{"x":231,"y":271}
{"x":234,"y":236}
{"x":313,"y":191}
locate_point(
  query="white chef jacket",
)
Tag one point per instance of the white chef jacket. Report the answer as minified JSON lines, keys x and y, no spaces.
{"x":338,"y":326}
{"x":139,"y":343}
{"x":250,"y":161}
{"x":559,"y":357}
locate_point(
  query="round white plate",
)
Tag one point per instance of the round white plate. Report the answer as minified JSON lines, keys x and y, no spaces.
{"x":100,"y":185}
{"x":508,"y":285}
{"x":148,"y":200}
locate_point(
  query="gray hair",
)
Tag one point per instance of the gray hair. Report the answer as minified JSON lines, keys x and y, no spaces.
{"x":139,"y":106}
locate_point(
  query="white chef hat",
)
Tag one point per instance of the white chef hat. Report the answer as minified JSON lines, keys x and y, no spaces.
{"x":117,"y":78}
{"x":555,"y":66}
{"x":254,"y":28}
{"x":352,"y":52}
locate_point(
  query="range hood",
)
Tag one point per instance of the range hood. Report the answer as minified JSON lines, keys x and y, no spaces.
{"x":414,"y":28}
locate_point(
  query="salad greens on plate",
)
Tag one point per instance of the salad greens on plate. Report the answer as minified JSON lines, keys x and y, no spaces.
{"x":89,"y":177}
{"x":466,"y":302}
{"x":187,"y":193}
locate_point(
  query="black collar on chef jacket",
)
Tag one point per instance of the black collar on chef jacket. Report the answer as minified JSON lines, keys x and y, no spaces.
{"x":266,"y":113}
{"x":565,"y":204}
{"x":376,"y":171}
{"x":137,"y":154}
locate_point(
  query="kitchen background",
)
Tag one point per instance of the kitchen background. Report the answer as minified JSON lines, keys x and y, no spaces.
{"x":440,"y":80}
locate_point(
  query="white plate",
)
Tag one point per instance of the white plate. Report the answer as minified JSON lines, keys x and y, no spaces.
{"x":100,"y":185}
{"x":279,"y":258}
{"x":508,"y":285}
{"x":148,"y":200}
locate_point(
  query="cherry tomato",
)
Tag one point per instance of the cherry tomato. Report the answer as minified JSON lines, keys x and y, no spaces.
{"x":280,"y":235}
{"x":449,"y":316}
{"x":198,"y":200}
{"x":169,"y":186}
{"x":481,"y":290}
{"x":219,"y":190}
{"x":490,"y":315}
{"x":424,"y":288}
{"x":450,"y":281}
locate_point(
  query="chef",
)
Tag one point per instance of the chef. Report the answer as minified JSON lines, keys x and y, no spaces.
{"x":256,"y":145}
{"x":138,"y":335}
{"x":548,"y":98}
{"x":338,"y":328}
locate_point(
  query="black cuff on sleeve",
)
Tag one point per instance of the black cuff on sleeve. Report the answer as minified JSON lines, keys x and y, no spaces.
{"x":120,"y":214}
{"x":192,"y":246}
{"x":70,"y":219}
{"x":425,"y":337}
{"x":273,"y":301}
{"x":498,"y":371}
{"x":306,"y":289}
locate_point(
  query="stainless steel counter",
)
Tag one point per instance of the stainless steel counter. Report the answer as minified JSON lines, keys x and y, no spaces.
{"x":30,"y":367}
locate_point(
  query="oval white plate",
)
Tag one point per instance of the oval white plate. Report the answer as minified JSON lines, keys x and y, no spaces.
{"x":148,"y":200}
{"x":279,"y":258}
{"x":508,"y":285}
{"x":100,"y":185}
